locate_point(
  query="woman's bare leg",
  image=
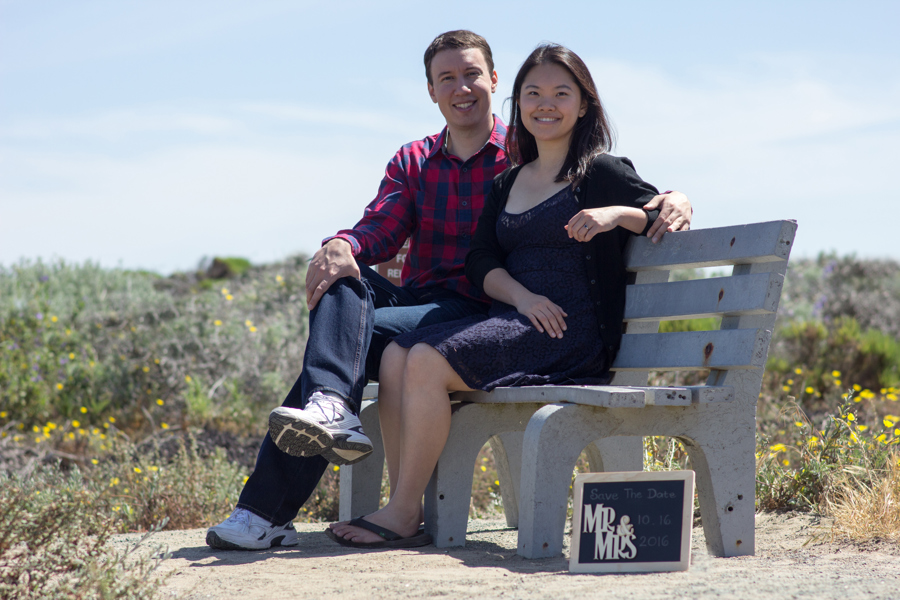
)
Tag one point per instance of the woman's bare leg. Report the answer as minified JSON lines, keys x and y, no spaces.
{"x":425,"y":424}
{"x":390,"y":382}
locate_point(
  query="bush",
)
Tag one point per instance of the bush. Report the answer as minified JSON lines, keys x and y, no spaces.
{"x":81,"y":342}
{"x":54,"y":543}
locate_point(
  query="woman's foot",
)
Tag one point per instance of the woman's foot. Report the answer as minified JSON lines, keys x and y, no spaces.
{"x":388,"y":518}
{"x":334,"y":526}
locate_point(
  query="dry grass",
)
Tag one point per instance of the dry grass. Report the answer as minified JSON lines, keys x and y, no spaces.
{"x":866,"y":506}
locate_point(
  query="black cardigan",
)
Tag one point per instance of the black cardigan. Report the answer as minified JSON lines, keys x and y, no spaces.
{"x":610,"y":181}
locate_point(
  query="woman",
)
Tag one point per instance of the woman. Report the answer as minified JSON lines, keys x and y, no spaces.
{"x":548,"y":250}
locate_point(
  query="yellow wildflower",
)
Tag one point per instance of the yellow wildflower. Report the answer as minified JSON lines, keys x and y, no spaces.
{"x":857,"y":387}
{"x":809,"y":390}
{"x":159,"y":401}
{"x":786,"y":388}
{"x":137,"y":470}
{"x":835,"y":373}
{"x":164,"y":425}
{"x":799,"y":423}
{"x":483,"y":468}
{"x":83,"y":410}
{"x":837,"y":382}
{"x":217,"y":323}
{"x":2,"y":414}
{"x":59,"y":386}
{"x":224,"y":291}
{"x":798,"y":371}
{"x":112,"y":419}
{"x":229,"y":297}
{"x":145,"y":369}
{"x":253,"y":330}
{"x":154,"y":468}
{"x":851,"y":417}
{"x":778,"y":448}
{"x":76,"y":424}
{"x":54,"y":318}
{"x":248,"y":323}
{"x":113,"y":481}
{"x":863,"y":427}
{"x":187,"y":378}
{"x":94,"y":461}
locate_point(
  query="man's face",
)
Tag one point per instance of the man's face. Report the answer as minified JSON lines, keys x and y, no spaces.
{"x":462,"y":87}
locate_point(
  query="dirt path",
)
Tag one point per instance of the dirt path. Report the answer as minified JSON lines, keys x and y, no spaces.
{"x":488,"y":568}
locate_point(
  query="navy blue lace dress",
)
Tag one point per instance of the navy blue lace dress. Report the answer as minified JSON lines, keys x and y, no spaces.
{"x":503,"y":348}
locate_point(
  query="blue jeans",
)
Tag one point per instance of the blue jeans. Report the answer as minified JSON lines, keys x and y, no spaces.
{"x":348,"y":331}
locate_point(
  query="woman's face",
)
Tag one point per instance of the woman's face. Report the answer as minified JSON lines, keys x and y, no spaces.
{"x":550,"y":102}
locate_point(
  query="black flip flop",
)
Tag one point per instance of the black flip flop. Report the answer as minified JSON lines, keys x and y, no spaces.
{"x":391,"y":538}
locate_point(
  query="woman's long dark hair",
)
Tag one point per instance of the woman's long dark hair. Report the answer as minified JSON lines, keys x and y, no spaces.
{"x":593,"y":134}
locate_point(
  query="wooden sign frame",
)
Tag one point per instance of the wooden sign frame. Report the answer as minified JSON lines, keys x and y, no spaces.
{"x":629,"y":516}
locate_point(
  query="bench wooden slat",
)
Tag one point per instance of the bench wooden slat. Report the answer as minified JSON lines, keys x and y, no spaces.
{"x":594,"y":395}
{"x":741,"y":244}
{"x":693,"y":350}
{"x":717,"y":296}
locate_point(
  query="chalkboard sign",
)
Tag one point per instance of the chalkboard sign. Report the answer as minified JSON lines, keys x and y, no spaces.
{"x":632,"y":522}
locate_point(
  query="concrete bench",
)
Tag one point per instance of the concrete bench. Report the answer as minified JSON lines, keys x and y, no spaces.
{"x":537,"y":433}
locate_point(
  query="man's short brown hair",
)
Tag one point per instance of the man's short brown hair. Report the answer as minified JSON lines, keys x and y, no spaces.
{"x":460,"y":39}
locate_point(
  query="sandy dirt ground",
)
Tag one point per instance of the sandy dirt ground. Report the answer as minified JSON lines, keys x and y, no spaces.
{"x":787,"y":565}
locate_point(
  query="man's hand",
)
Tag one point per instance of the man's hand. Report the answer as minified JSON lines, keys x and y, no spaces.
{"x":333,"y":261}
{"x":675,"y":214}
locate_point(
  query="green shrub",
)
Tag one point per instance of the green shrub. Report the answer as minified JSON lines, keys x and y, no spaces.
{"x":82,"y":342}
{"x":54,"y":543}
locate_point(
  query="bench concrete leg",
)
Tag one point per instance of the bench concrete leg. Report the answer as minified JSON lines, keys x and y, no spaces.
{"x":507,"y":449}
{"x":449,"y":492}
{"x":555,"y":437}
{"x":361,"y":483}
{"x":621,"y":453}
{"x":725,"y":467}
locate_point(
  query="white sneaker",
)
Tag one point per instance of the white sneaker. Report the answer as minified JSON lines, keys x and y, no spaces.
{"x":326,"y":426}
{"x":244,"y":530}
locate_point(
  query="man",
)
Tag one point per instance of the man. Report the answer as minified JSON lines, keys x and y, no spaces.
{"x":432,"y":193}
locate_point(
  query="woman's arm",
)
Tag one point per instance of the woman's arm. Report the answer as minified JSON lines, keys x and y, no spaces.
{"x":591,"y":221}
{"x":543,"y":314}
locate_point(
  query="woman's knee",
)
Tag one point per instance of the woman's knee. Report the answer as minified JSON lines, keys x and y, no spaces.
{"x":393,"y":361}
{"x":424,"y":363}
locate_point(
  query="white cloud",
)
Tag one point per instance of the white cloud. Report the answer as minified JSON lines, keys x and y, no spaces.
{"x":120,"y":124}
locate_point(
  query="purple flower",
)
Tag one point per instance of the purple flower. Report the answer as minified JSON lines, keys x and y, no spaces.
{"x":45,"y":278}
{"x":39,"y":316}
{"x":63,"y":360}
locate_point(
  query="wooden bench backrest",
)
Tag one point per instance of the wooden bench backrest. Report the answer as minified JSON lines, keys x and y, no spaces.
{"x":747,"y":300}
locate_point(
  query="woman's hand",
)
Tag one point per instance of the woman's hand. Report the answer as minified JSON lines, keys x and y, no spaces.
{"x":543,"y":314}
{"x":591,"y":221}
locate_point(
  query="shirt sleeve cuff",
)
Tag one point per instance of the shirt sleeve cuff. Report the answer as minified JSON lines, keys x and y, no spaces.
{"x":355,"y":248}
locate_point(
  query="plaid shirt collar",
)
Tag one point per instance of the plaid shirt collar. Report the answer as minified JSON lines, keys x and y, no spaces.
{"x":497,"y":138}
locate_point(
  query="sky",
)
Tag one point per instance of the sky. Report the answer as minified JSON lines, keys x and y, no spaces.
{"x":149,"y":135}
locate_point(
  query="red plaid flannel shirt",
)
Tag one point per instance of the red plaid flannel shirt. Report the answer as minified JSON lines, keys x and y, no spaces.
{"x":434,"y":199}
